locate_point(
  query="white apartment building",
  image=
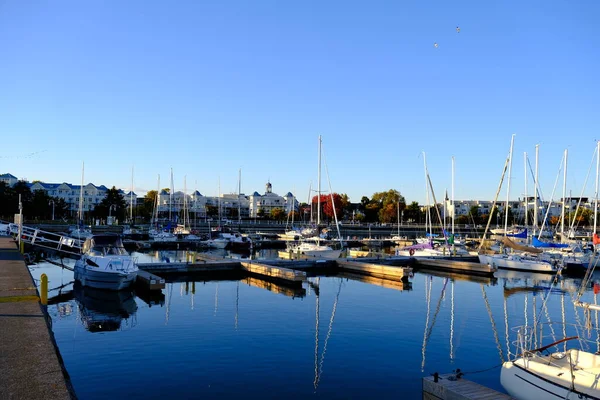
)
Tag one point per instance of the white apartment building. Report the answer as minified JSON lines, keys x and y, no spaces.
{"x":92,"y":194}
{"x":9,"y":179}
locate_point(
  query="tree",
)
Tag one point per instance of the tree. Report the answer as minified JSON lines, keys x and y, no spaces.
{"x":328,"y":206}
{"x":211,"y":211}
{"x":277,"y":214}
{"x":112,"y":204}
{"x":385,"y":205}
{"x":474,"y":214}
{"x":413,"y":212}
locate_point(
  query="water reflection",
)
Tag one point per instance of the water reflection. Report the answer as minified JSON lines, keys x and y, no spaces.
{"x":105,"y":310}
{"x":386,"y":283}
{"x":290,"y":291}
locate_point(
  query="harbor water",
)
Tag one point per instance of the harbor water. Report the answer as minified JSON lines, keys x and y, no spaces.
{"x":336,"y":337}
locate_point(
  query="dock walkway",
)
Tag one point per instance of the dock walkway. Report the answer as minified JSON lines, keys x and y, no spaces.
{"x":448,"y":387}
{"x":30,"y":365}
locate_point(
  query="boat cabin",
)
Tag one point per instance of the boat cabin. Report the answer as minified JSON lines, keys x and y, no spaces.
{"x":104,"y":245}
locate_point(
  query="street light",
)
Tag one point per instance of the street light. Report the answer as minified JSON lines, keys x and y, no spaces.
{"x":52,"y":202}
{"x":110,"y":209}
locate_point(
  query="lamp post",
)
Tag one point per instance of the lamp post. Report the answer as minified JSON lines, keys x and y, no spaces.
{"x":52,"y":202}
{"x":109,"y":211}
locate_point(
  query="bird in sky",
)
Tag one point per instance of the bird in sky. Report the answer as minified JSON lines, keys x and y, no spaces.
{"x":458,"y":29}
{"x":435,"y":45}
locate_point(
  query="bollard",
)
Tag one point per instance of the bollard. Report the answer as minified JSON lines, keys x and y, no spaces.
{"x":44,"y":290}
{"x":22,"y":246}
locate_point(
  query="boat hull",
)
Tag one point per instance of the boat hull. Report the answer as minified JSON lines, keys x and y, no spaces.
{"x":516,"y":264}
{"x":528,"y":384}
{"x":108,"y":280}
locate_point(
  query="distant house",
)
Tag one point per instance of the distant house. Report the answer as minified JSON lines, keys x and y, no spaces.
{"x":9,"y":179}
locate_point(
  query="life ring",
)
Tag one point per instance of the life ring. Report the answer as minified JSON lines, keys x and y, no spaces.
{"x":411,"y":252}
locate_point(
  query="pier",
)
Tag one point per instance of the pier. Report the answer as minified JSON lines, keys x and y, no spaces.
{"x":30,"y":363}
{"x":376,"y":270}
{"x":451,"y":387}
{"x":465,"y":267}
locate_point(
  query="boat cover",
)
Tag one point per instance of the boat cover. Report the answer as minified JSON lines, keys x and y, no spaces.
{"x":509,"y":243}
{"x":538,"y":243}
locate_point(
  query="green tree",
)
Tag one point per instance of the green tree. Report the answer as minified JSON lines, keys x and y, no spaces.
{"x":474,"y":214}
{"x":413,"y":212}
{"x":112,"y":204}
{"x":277,"y":214}
{"x":387,"y":205}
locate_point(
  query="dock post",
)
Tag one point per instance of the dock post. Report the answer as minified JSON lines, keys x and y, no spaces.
{"x":22,"y":246}
{"x":44,"y":290}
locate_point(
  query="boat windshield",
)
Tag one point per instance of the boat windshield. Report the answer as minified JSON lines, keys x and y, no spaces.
{"x":104,"y":245}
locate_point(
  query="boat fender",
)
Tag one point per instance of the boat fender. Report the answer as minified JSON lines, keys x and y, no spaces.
{"x":411,"y":252}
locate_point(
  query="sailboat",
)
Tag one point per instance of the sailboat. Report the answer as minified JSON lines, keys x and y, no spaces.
{"x":549,"y":371}
{"x":81,"y":231}
{"x":527,"y":258}
{"x":315,"y":249}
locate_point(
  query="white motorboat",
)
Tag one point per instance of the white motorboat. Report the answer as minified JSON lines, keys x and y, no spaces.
{"x":164,"y":237}
{"x":103,"y":310}
{"x":314,"y":250}
{"x":105,"y":264}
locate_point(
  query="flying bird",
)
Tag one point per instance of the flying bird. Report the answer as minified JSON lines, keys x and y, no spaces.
{"x":435,"y":45}
{"x":458,"y":29}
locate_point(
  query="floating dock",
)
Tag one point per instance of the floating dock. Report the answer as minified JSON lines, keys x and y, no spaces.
{"x":465,"y":267}
{"x":272,"y":272}
{"x":377,"y":270}
{"x":149,"y":281}
{"x":449,"y":387}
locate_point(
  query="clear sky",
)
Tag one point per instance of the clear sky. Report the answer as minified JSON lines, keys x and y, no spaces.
{"x":209,"y":87}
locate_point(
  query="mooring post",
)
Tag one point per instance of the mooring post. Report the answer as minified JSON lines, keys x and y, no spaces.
{"x":44,"y":290}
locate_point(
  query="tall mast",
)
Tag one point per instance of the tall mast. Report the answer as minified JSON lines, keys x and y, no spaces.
{"x":171,"y":195}
{"x":536,"y":194}
{"x":131,"y":198}
{"x":596,"y":194}
{"x":452,"y":201}
{"x":562,"y":212}
{"x":512,"y":141}
{"x":319,"y":188}
{"x":81,"y":195}
{"x":157,"y":202}
{"x":186,"y":216}
{"x":526,"y":193}
{"x":239,"y":197}
{"x":428,"y":212}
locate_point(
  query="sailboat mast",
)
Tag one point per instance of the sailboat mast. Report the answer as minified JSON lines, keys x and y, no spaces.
{"x":596,"y":194}
{"x":453,"y":207}
{"x":526,"y":193}
{"x":319,"y":189}
{"x":157,"y":202}
{"x":428,"y":213}
{"x":562,"y":212}
{"x":171,"y":195}
{"x":239,"y":197}
{"x":131,"y":198}
{"x":512,"y":141}
{"x":535,"y":203}
{"x":81,"y":195}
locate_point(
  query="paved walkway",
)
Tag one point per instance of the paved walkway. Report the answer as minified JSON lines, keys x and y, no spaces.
{"x":29,"y":364}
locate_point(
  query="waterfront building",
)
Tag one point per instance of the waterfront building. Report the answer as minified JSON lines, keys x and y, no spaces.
{"x":9,"y":179}
{"x":265,"y":203}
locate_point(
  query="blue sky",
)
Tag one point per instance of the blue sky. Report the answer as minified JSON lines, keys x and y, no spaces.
{"x":209,"y":87}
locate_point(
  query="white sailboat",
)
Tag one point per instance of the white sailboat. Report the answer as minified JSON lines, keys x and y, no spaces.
{"x":563,"y":369}
{"x":315,"y":249}
{"x":523,"y":260}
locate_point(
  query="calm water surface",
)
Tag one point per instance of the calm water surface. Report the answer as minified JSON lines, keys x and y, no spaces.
{"x":338,"y":337}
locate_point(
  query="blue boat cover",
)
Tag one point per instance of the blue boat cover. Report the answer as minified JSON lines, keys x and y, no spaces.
{"x":538,"y":243}
{"x":520,"y":235}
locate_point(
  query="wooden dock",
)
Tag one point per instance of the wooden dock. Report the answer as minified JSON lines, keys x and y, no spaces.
{"x":448,"y":387}
{"x":377,"y":270}
{"x":150,"y":281}
{"x":465,"y":267}
{"x":272,"y":272}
